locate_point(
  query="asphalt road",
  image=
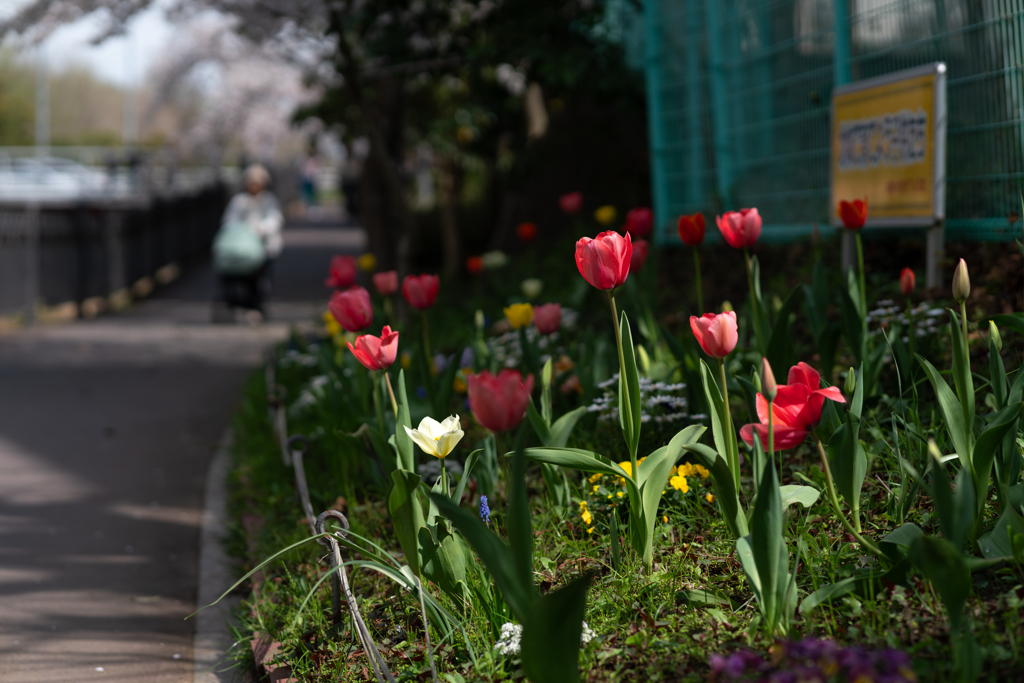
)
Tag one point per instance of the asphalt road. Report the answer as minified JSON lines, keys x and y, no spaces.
{"x":107,"y":427}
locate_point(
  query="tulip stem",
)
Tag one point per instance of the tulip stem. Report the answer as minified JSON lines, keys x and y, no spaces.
{"x":863,"y":287}
{"x":698,"y":281}
{"x":963,"y":327}
{"x":391,"y":393}
{"x":910,"y":325}
{"x":730,"y":437}
{"x":622,"y":367}
{"x":426,"y":343}
{"x":755,"y":312}
{"x":378,"y":408}
{"x":853,"y":530}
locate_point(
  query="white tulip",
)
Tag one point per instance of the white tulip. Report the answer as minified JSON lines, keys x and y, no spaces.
{"x":437,"y":438}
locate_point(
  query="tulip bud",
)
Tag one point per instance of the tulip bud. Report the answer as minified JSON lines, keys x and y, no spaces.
{"x":768,"y":387}
{"x":993,"y":334}
{"x":907,"y":282}
{"x":755,"y":379}
{"x":961,"y":282}
{"x":851,"y":382}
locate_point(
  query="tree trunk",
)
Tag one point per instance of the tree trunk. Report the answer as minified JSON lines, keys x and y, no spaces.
{"x":450,"y":189}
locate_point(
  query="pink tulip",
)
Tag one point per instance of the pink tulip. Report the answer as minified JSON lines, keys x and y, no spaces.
{"x":571,"y":203}
{"x":604,"y":261}
{"x":352,"y":308}
{"x":386,"y":282}
{"x":420,"y":290}
{"x":547,"y":318}
{"x":376,"y":353}
{"x":717,"y":334}
{"x":639,"y":258}
{"x":740,"y":228}
{"x":499,"y":402}
{"x":342,"y":273}
{"x":639,"y":221}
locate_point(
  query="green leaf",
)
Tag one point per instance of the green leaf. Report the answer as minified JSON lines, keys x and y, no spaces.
{"x":850,"y":321}
{"x":998,"y":543}
{"x":949,"y":406}
{"x":385,"y":453}
{"x":653,"y":477}
{"x":896,"y":544}
{"x":495,"y":555}
{"x":990,"y":441}
{"x":829,"y":593}
{"x":717,"y":408}
{"x":629,"y":390}
{"x":997,"y":373}
{"x":725,"y":491}
{"x":407,"y":514}
{"x":538,"y":424}
{"x":847,"y":459}
{"x":443,"y":560}
{"x":703,"y":598}
{"x":940,"y":561}
{"x":406,"y":454}
{"x":745,"y":552}
{"x":466,"y":471}
{"x":562,"y":429}
{"x":578,"y":459}
{"x":551,"y":634}
{"x":768,"y":545}
{"x":517,"y":520}
{"x":792,"y":494}
{"x":780,"y":344}
{"x":1015,"y":321}
{"x":963,"y":380}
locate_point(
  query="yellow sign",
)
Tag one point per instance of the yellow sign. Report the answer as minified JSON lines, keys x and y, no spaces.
{"x":888,"y":146}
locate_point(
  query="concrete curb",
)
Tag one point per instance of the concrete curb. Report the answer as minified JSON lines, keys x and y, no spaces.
{"x":212,"y":639}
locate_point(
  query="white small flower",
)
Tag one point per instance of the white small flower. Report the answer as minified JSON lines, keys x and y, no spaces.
{"x":587,"y":635}
{"x":508,"y":643}
{"x":437,"y":438}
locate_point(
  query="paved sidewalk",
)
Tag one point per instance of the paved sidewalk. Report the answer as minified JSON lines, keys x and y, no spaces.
{"x":107,"y":428}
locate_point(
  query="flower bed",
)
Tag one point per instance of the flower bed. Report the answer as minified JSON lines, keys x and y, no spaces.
{"x":598,"y":491}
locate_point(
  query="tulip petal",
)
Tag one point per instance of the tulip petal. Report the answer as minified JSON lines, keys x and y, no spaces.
{"x":447,"y":442}
{"x":784,"y":438}
{"x":427,"y":444}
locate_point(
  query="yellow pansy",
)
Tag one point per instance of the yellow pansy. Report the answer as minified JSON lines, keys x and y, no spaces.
{"x":605,"y":214}
{"x":367,"y":262}
{"x":709,"y":498}
{"x":333,"y":328}
{"x":620,"y":494}
{"x":406,"y":360}
{"x":678,"y":482}
{"x":595,"y":488}
{"x":594,"y":478}
{"x":519,"y":315}
{"x":585,"y":515}
{"x":702,"y":471}
{"x":665,"y":519}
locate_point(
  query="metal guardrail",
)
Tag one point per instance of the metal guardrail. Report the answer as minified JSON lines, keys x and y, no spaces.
{"x":76,"y":250}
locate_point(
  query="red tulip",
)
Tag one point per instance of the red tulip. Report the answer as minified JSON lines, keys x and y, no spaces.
{"x":795,"y":411}
{"x":342,"y":273}
{"x":907,"y":282}
{"x":474,"y":265}
{"x":740,"y":228}
{"x":351,"y":308}
{"x":636,"y":262}
{"x":853,"y":214}
{"x":547,"y":318}
{"x":386,"y":282}
{"x":526,"y":231}
{"x":571,"y":203}
{"x":499,"y":402}
{"x":604,"y":261}
{"x":420,"y":290}
{"x":639,"y":221}
{"x":691,"y":229}
{"x":716,"y":334}
{"x":376,"y":353}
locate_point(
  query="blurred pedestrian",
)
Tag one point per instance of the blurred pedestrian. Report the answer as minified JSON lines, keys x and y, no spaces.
{"x":310,"y":172}
{"x":248,"y":243}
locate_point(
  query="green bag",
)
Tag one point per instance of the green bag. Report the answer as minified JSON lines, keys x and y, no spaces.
{"x":238,"y":250}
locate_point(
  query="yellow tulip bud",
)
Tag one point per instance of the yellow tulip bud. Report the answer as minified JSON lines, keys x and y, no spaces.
{"x":961,"y":282}
{"x":519,"y":315}
{"x":851,"y":382}
{"x":605,"y":214}
{"x":367,"y":262}
{"x":993,"y":334}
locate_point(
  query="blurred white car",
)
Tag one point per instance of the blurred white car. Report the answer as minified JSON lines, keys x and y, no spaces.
{"x":51,"y":179}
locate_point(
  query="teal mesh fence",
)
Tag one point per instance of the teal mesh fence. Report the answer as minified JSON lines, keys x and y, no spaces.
{"x":739,"y":95}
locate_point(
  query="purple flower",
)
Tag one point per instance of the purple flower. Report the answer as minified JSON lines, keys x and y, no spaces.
{"x":485,"y":510}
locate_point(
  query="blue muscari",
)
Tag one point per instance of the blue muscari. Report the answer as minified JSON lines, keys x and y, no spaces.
{"x":485,"y":510}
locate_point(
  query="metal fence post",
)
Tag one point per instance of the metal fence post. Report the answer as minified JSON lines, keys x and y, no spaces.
{"x":652,"y":72}
{"x":720,"y":117}
{"x":32,"y":231}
